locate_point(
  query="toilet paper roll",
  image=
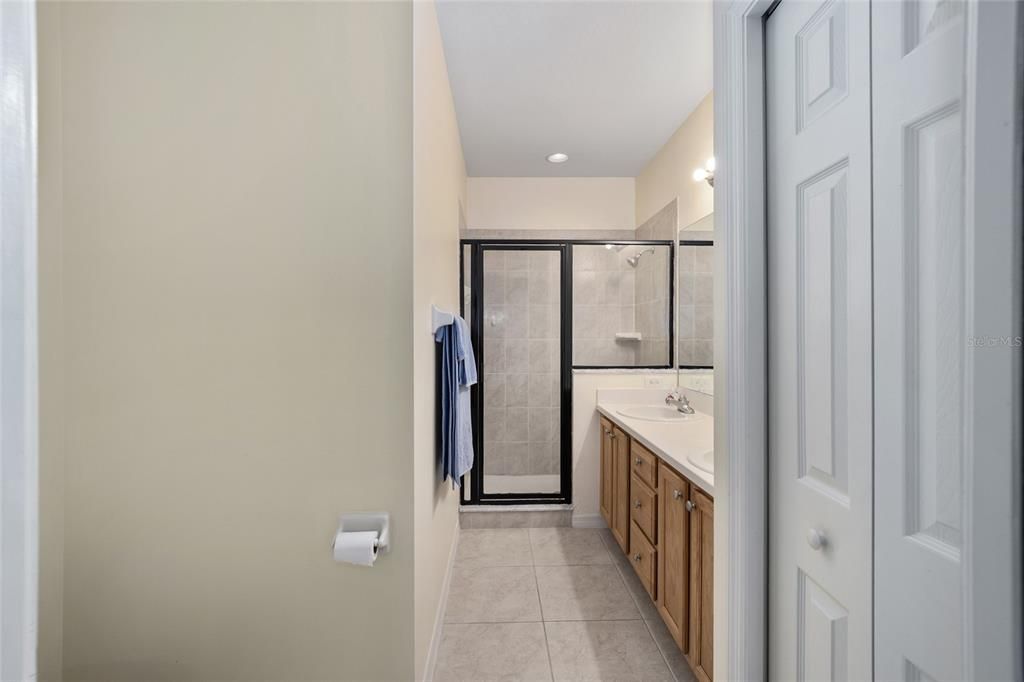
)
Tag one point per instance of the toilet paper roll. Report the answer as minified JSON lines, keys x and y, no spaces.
{"x":358,"y":547}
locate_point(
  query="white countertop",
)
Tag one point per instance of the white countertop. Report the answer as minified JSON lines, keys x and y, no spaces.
{"x":672,"y":442}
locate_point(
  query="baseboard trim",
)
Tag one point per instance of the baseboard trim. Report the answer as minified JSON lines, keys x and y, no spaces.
{"x":442,"y":607}
{"x":588,"y":521}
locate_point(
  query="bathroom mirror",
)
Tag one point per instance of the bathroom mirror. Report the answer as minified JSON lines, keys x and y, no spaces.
{"x":695,"y":305}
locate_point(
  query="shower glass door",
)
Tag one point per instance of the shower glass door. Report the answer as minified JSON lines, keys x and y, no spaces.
{"x":522,"y":408}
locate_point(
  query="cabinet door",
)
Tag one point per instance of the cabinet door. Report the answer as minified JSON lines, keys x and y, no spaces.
{"x":620,"y":505}
{"x":674,"y":555}
{"x":702,"y":554}
{"x":607,"y":472}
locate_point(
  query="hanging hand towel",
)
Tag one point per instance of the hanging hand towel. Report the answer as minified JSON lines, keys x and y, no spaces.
{"x":458,"y":373}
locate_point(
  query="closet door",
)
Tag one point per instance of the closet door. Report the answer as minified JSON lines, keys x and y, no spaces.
{"x":819,"y":355}
{"x":923,"y":404}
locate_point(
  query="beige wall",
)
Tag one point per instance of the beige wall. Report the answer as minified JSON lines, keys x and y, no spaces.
{"x":237,"y":330}
{"x":51,"y":351}
{"x":438,"y":191}
{"x":550,"y":203}
{"x":586,"y":438}
{"x":670,"y":173}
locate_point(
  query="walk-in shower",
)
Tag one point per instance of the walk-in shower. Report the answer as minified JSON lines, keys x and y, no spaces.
{"x":540,"y":311}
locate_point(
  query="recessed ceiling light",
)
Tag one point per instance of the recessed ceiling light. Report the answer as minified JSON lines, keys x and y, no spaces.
{"x":558,"y":157}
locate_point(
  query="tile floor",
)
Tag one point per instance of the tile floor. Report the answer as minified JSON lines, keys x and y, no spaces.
{"x":551,"y":604}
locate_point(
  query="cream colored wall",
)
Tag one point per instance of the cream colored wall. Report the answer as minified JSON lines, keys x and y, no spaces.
{"x":237,"y":315}
{"x":550,"y":203}
{"x":438,"y":191}
{"x":670,"y":173}
{"x":51,"y":350}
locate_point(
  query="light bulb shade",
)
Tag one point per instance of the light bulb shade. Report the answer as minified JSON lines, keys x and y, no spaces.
{"x":709,"y":166}
{"x":700,"y":174}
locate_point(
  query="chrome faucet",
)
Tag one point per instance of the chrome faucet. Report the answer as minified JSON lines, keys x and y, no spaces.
{"x":679,"y":400}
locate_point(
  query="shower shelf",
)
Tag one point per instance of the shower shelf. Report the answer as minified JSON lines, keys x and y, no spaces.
{"x":628,"y":336}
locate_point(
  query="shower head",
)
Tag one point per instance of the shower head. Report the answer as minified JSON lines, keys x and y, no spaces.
{"x":633,"y":260}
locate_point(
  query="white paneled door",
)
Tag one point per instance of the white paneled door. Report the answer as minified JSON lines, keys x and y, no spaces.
{"x":817,"y":60}
{"x":922,"y":406}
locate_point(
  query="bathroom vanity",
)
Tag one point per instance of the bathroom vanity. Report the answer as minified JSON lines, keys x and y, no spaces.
{"x":657,"y":497}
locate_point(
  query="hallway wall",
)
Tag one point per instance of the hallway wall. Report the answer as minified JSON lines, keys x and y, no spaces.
{"x":234,"y":313}
{"x":439,"y":191}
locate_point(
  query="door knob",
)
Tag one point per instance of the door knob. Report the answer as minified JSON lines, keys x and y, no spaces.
{"x":676,"y":494}
{"x":816,"y":539}
{"x":689,"y":505}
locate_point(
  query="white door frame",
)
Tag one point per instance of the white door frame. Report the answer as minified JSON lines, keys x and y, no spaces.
{"x":19,"y":466}
{"x":994,"y":43}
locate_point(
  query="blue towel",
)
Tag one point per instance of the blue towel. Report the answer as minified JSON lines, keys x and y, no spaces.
{"x":458,"y":373}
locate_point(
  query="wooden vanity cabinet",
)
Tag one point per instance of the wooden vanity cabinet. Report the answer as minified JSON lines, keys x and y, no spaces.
{"x":700,"y":653}
{"x":620,"y":487}
{"x":607,"y":472}
{"x":674,"y":555}
{"x":665,"y":525}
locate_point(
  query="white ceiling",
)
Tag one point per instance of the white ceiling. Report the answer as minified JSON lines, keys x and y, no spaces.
{"x":605,"y":82}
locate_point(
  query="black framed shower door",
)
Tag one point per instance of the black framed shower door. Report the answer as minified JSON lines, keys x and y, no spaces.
{"x":498,"y":450}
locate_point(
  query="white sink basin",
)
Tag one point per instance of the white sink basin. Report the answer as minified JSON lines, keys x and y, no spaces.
{"x":656,"y":413}
{"x":705,"y":461}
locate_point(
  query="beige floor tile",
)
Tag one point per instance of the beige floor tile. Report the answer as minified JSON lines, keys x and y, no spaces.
{"x":493,"y":594}
{"x":619,"y":651}
{"x":509,"y":652}
{"x":493,"y":547}
{"x":584,"y":593}
{"x":568,"y":547}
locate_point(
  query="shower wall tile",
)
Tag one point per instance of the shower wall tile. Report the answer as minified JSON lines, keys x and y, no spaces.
{"x":603,"y":304}
{"x":651,"y":296}
{"x":696,"y":309}
{"x":663,"y":224}
{"x":521,"y":396}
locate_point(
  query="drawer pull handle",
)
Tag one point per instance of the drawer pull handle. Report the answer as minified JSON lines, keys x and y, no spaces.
{"x":676,"y":494}
{"x":637,"y":557}
{"x":689,"y":505}
{"x":636,"y":503}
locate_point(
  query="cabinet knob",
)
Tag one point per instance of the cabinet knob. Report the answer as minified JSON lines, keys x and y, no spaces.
{"x":636,"y":503}
{"x":676,"y":494}
{"x":607,"y":432}
{"x":689,"y":505}
{"x":638,"y":461}
{"x":637,"y":557}
{"x":816,"y":539}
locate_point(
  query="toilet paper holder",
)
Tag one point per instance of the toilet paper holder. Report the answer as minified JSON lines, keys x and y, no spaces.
{"x":367,"y":521}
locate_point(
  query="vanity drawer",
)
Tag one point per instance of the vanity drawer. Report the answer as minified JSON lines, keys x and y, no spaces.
{"x":643,"y":505}
{"x":644,"y":464}
{"x":644,"y":558}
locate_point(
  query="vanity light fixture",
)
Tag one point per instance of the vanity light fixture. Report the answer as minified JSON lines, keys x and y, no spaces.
{"x":706,"y":173}
{"x":558,"y":157}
